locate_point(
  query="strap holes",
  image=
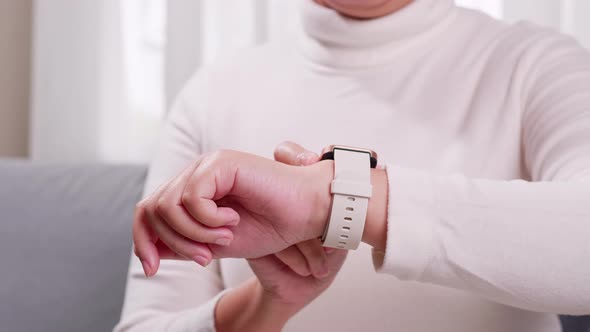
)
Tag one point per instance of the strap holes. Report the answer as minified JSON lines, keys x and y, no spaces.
{"x":348,"y":218}
{"x":344,"y":236}
{"x":349,"y":209}
{"x":352,"y":199}
{"x":342,"y":242}
{"x":346,"y":228}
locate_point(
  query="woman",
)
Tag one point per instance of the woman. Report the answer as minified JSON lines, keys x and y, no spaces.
{"x":462,"y":108}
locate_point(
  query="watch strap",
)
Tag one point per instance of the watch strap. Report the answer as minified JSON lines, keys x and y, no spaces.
{"x":351,"y":189}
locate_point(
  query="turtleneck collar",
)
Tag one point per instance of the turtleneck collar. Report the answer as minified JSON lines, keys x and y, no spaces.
{"x":338,"y":41}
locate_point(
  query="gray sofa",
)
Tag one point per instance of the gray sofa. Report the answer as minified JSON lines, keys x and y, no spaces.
{"x":65,"y":241}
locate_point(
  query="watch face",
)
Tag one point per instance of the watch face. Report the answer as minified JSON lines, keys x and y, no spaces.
{"x":328,"y":152}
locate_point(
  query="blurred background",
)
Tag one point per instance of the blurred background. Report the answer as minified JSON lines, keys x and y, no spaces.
{"x":88,"y":80}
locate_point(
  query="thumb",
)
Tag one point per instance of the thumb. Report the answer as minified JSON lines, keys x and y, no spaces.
{"x":294,"y":154}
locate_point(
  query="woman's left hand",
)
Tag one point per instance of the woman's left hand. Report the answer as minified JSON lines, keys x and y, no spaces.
{"x":283,"y":286}
{"x":296,"y":275}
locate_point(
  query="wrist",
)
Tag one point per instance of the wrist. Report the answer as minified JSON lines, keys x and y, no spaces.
{"x":375,"y":231}
{"x":323,"y":174}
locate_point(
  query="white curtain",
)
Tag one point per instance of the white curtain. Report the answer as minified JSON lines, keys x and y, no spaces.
{"x":105,"y":71}
{"x":97,"y":86}
{"x":198,"y":32}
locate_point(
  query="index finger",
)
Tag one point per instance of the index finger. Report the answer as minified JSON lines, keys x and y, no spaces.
{"x":294,"y":154}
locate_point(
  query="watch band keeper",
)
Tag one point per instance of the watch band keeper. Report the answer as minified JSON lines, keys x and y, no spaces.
{"x":352,"y":188}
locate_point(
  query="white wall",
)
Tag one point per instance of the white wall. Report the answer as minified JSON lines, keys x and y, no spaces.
{"x":569,"y":16}
{"x":15,"y":41}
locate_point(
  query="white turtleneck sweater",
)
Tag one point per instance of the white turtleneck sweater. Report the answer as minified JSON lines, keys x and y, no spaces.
{"x":485,"y":130}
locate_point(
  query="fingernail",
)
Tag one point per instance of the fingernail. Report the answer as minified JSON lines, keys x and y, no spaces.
{"x":301,"y":158}
{"x":201,"y":260}
{"x":329,"y":250}
{"x":324,"y":271}
{"x":146,"y":267}
{"x":307,"y":157}
{"x":223,"y":241}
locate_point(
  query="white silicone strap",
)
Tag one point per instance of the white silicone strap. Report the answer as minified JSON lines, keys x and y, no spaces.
{"x":351,"y":190}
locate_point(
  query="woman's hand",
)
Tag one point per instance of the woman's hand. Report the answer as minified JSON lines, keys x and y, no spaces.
{"x":285,"y":288}
{"x":269,"y":300}
{"x":308,"y":257}
{"x":286,"y":281}
{"x":232,"y":204}
{"x":299,"y":273}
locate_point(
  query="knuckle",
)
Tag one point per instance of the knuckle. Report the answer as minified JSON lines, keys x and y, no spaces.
{"x":163,"y":207}
{"x":223,"y":154}
{"x":147,"y":205}
{"x":217,"y":155}
{"x":139,"y":206}
{"x":187,"y":199}
{"x":136,"y":227}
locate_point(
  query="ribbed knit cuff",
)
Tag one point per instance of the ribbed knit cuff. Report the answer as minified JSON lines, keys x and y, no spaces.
{"x":411,"y":219}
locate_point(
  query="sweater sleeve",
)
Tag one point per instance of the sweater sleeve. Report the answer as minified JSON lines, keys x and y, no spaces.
{"x":521,"y":243}
{"x":182,"y":295}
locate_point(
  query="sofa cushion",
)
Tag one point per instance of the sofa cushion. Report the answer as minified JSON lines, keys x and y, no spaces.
{"x":65,"y":240}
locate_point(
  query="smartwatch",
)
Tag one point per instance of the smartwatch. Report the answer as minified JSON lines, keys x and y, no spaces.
{"x":351,"y":190}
